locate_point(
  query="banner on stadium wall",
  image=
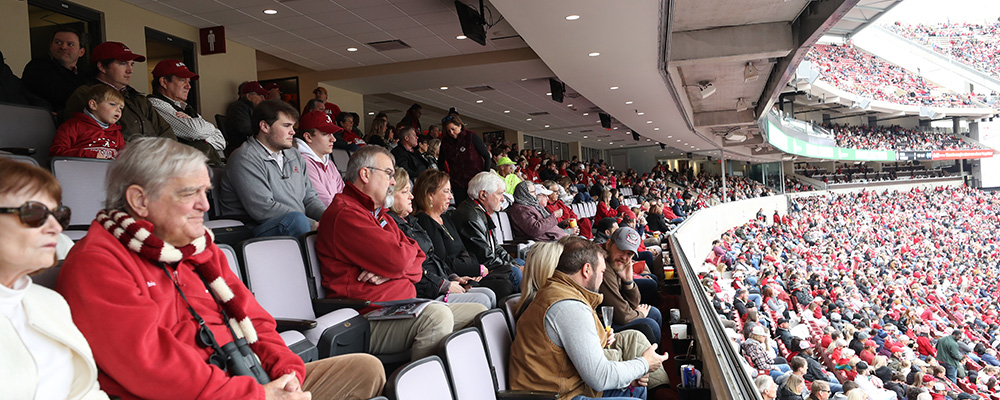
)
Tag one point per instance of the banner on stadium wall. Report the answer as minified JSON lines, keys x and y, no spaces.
{"x":914,"y":155}
{"x":961,"y":154}
{"x":777,"y":138}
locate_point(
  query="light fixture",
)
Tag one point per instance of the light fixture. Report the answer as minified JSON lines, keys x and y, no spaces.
{"x":640,"y":113}
{"x":573,"y":17}
{"x":611,"y":142}
{"x":506,"y":111}
{"x":594,"y":54}
{"x":371,"y":113}
{"x":598,"y":140}
{"x":616,"y":128}
{"x":649,"y":122}
{"x":678,"y":140}
{"x":479,"y":101}
{"x":584,"y":136}
{"x":742,"y":105}
{"x":586,"y":114}
{"x":529,"y":119}
{"x":461,"y":37}
{"x":569,"y":132}
{"x":670,"y":137}
{"x":614,"y":88}
{"x":352,"y":49}
{"x":444,"y":88}
{"x":548,"y":93}
{"x":706,"y":89}
{"x":649,"y":140}
{"x":569,"y":105}
{"x":270,"y":11}
{"x":546,"y":126}
{"x":628,"y":102}
{"x":750,"y":73}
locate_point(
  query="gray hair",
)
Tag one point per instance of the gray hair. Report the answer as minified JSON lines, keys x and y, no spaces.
{"x":487,"y":181}
{"x":149,"y":163}
{"x":763,"y":382}
{"x":363,"y":158}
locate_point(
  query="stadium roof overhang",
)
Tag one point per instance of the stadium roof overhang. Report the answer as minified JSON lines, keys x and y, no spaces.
{"x":862,"y":15}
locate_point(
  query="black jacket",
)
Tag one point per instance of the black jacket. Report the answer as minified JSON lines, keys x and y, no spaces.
{"x":814,"y":370}
{"x":13,"y":91}
{"x":411,"y":161}
{"x":657,"y":222}
{"x":49,"y":80}
{"x":436,"y":277}
{"x":476,"y":230}
{"x":239,"y":125}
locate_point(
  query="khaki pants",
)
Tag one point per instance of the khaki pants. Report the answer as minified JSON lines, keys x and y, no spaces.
{"x":422,"y":334}
{"x":350,"y":377}
{"x":630,"y":344}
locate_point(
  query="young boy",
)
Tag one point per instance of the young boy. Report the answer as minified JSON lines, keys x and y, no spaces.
{"x":93,"y":133}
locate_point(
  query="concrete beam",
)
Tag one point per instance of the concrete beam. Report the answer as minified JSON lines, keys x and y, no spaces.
{"x":767,"y":151}
{"x":749,"y":142}
{"x":731,"y":43}
{"x":724,"y":118}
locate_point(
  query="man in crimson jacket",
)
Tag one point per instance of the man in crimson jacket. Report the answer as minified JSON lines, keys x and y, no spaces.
{"x":365,"y":256}
{"x":583,"y":225}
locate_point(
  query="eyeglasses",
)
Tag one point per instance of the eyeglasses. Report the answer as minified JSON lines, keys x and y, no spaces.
{"x":34,"y":214}
{"x":388,"y":171}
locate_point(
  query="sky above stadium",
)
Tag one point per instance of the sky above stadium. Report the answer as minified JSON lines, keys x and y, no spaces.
{"x":935,"y":11}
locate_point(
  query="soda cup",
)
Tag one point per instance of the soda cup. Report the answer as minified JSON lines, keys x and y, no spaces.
{"x":572,"y":223}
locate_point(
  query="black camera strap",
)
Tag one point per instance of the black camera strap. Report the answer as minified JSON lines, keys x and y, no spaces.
{"x":205,"y":335}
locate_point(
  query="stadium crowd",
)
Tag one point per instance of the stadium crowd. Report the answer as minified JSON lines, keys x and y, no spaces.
{"x":975,"y":45}
{"x":855,"y":71}
{"x":891,"y":294}
{"x":894,"y":138}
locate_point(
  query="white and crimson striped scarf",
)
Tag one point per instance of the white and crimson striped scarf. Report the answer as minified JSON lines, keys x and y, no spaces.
{"x":138,"y":236}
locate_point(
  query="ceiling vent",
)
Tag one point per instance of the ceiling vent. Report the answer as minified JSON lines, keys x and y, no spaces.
{"x":477,"y":89}
{"x":586,"y":130}
{"x":538,"y":113}
{"x":387,"y":45}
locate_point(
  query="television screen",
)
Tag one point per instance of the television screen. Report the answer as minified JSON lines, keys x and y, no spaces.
{"x":557,"y":88}
{"x":473,"y":26}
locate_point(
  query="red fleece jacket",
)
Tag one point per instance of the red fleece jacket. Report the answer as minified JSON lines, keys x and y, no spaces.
{"x":140,"y":330}
{"x":351,"y":239}
{"x":81,"y":136}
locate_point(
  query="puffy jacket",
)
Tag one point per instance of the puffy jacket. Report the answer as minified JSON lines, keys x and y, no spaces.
{"x":476,"y":229}
{"x":139,"y":118}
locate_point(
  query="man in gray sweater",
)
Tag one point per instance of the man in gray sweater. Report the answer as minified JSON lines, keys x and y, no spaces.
{"x":559,"y":340}
{"x":266,"y":178}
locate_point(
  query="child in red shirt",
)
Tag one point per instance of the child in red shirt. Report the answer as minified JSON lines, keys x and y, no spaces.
{"x":94,"y":132}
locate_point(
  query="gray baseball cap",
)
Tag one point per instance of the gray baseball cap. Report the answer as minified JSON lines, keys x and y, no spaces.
{"x":626,"y":239}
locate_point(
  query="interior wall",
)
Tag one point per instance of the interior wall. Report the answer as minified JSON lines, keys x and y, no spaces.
{"x":643,"y":159}
{"x":220,"y":74}
{"x":347,"y":101}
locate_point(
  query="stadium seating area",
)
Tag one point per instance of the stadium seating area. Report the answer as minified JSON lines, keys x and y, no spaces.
{"x":975,"y":45}
{"x":881,"y":267}
{"x":862,"y":173}
{"x":855,"y":71}
{"x":894,"y":138}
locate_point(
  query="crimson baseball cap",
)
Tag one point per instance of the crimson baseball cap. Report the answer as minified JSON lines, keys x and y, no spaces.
{"x":114,"y":50}
{"x":272,"y":85}
{"x":253,"y":87}
{"x":318,"y":120}
{"x":173,"y":67}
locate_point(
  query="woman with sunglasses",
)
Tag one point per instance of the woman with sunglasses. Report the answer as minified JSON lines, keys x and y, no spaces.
{"x":44,"y":356}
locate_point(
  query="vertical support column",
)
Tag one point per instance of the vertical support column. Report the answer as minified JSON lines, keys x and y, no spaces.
{"x":722,"y":161}
{"x":782,"y":164}
{"x":956,"y":125}
{"x":575,"y":150}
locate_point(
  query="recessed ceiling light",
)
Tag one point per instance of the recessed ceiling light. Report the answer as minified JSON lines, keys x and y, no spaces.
{"x":529,"y":119}
{"x":569,"y":132}
{"x":584,"y":136}
{"x":548,"y":93}
{"x":479,"y":101}
{"x":546,"y":126}
{"x":573,"y":17}
{"x":586,"y":114}
{"x":649,"y":140}
{"x":371,"y":113}
{"x":640,"y":113}
{"x":270,"y":11}
{"x":444,"y":88}
{"x":656,"y":129}
{"x":461,"y":37}
{"x":678,"y":140}
{"x":523,"y":79}
{"x":352,"y":49}
{"x":611,"y":142}
{"x":598,"y":140}
{"x":628,"y":102}
{"x":506,"y":111}
{"x":649,"y":122}
{"x":569,"y":105}
{"x":594,"y":54}
{"x":669,"y":137}
{"x":614,"y":88}
{"x":616,"y":128}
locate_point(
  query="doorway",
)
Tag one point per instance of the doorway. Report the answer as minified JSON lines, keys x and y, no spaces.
{"x":46,"y":16}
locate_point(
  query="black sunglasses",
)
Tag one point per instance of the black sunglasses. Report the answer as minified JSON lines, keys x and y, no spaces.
{"x":34,"y":214}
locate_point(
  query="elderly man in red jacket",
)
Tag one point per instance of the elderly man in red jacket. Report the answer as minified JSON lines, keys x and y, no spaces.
{"x":364,"y":255}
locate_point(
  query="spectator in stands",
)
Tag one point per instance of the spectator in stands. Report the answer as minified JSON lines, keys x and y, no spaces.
{"x":949,"y":357}
{"x":13,"y":91}
{"x":620,"y":290}
{"x":57,"y":75}
{"x":433,"y":150}
{"x":866,"y":383}
{"x":569,"y":219}
{"x":793,"y":388}
{"x":439,"y":281}
{"x":92,"y":133}
{"x":45,"y":355}
{"x":331,"y":109}
{"x":433,"y":131}
{"x":239,"y":115}
{"x":528,"y":216}
{"x":407,"y":156}
{"x":412,"y":117}
{"x":432,"y":196}
{"x":380,"y":134}
{"x":273,"y":91}
{"x":348,"y":140}
{"x":814,"y":369}
{"x":819,"y":391}
{"x":755,"y":348}
{"x":560,"y":329}
{"x":357,"y":272}
{"x":315,"y":105}
{"x":171,"y":85}
{"x":133,"y":285}
{"x":315,"y":139}
{"x":603,"y":230}
{"x":505,"y":168}
{"x":766,"y":387}
{"x":266,"y":178}
{"x":476,"y":227}
{"x":604,"y":209}
{"x":463,"y":154}
{"x":114,"y":68}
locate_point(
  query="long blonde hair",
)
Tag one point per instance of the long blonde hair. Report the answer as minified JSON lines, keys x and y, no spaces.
{"x":538,"y":267}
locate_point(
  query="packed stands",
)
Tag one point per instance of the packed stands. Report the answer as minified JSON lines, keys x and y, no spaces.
{"x":975,"y":45}
{"x":884,"y":274}
{"x":895,"y":138}
{"x":855,"y":71}
{"x":864,"y":173}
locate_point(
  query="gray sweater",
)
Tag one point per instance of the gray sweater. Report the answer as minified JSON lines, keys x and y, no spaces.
{"x":570,"y":325}
{"x":254,"y":185}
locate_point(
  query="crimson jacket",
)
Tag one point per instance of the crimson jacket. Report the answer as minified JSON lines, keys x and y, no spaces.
{"x":81,"y":136}
{"x":353,"y":238}
{"x":142,"y":334}
{"x":463,"y":157}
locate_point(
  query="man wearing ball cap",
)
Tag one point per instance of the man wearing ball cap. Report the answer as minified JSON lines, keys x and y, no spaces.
{"x":171,"y":86}
{"x":114,"y":62}
{"x":621,"y":292}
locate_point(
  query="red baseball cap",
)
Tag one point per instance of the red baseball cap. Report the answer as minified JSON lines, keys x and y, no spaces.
{"x":272,"y":85}
{"x":318,"y":120}
{"x":114,"y":50}
{"x":253,"y":87}
{"x":173,"y":67}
